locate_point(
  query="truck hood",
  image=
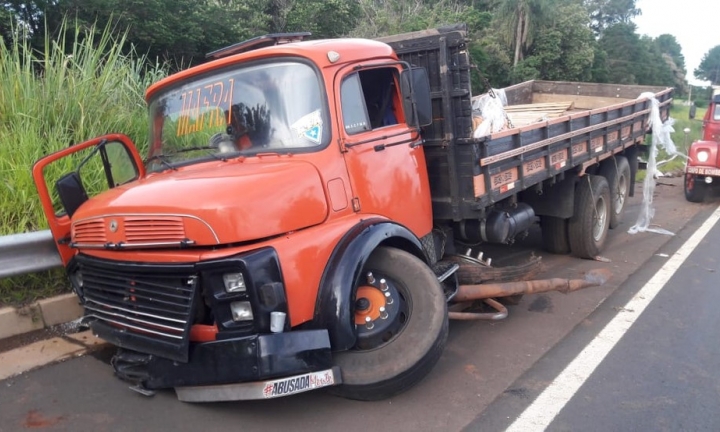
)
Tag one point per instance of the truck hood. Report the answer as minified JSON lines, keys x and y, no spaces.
{"x":209,"y":204}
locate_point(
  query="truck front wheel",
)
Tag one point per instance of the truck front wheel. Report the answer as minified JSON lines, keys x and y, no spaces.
{"x":401,"y":323}
{"x":694,"y":190}
{"x":588,"y":227}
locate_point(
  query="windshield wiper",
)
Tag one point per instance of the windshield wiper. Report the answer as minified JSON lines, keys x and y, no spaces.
{"x":164,"y":159}
{"x":209,"y":149}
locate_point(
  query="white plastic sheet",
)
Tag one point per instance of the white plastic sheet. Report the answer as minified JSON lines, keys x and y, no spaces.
{"x":492,"y":112}
{"x":660,"y":137}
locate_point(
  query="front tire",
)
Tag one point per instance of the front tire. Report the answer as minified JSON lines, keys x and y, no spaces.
{"x":694,"y":190}
{"x":588,"y":227}
{"x":398,"y":346}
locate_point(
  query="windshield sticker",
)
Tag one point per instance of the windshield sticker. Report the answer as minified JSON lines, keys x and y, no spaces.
{"x":309,"y":126}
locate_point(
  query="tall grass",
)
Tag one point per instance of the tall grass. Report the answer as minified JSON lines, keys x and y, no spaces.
{"x":83,"y":85}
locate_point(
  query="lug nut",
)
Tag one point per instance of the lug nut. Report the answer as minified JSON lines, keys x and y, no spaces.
{"x":468,"y":252}
{"x":383,"y":285}
{"x":368,"y":323}
{"x":370,"y":278}
{"x":480,"y":255}
{"x":388,"y":299}
{"x":489,"y":260}
{"x":383,"y":314}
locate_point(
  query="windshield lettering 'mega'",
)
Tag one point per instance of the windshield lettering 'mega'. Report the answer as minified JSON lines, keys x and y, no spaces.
{"x":269,"y":107}
{"x":205,"y":105}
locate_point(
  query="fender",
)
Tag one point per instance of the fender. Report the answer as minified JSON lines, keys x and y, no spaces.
{"x":334,"y":308}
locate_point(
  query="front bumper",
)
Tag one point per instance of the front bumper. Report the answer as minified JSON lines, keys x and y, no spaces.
{"x":230,"y":361}
{"x":703,"y":171}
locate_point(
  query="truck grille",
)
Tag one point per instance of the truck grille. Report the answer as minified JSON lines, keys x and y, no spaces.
{"x":151,"y":306}
{"x":132,"y":230}
{"x":92,"y":231}
{"x":142,"y":230}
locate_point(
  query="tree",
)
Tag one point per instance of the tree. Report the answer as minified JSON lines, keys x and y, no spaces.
{"x":563,"y":49}
{"x":518,"y":21}
{"x":670,"y":46}
{"x":632,"y":59}
{"x":385,"y":17}
{"x":323,"y":18}
{"x":606,"y":13}
{"x":709,"y":69}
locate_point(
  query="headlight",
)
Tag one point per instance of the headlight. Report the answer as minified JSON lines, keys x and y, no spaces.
{"x":703,"y":155}
{"x":76,"y":278}
{"x":241,"y":311}
{"x":234,"y":282}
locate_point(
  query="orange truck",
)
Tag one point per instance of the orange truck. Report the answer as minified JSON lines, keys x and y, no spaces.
{"x":702,"y":169}
{"x":291,"y":224}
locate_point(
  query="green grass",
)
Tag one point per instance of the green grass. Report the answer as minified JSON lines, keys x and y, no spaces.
{"x":48,"y":101}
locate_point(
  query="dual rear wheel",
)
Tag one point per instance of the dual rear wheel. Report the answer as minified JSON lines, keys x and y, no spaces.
{"x":599,"y":204}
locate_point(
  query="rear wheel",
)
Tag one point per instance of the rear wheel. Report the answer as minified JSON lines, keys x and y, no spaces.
{"x":617,"y":174}
{"x":402,"y":325}
{"x":588,"y":227}
{"x":555,"y":234}
{"x":694,"y":190}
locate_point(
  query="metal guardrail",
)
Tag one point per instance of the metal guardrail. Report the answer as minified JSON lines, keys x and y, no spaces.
{"x":27,"y":253}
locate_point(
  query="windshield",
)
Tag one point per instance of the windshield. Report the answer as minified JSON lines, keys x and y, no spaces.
{"x":271,"y":107}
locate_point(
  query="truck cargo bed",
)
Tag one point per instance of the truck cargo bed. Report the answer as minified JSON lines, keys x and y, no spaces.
{"x":468,"y":174}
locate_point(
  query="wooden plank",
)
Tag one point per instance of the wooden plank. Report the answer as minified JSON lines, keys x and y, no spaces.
{"x":579,"y":102}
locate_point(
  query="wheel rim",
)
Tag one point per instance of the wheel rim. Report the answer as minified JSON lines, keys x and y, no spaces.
{"x":621,"y":194}
{"x":600,"y":219}
{"x":381,"y":311}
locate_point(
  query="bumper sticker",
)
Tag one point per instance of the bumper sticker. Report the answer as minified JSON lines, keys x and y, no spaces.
{"x":298,"y":384}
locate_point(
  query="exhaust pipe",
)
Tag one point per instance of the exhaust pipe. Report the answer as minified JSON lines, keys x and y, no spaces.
{"x":592,"y":278}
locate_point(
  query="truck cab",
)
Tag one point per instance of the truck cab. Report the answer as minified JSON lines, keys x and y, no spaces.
{"x":252,"y":240}
{"x":703,"y":167}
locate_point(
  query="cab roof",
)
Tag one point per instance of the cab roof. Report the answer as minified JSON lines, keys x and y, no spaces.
{"x":350,"y":50}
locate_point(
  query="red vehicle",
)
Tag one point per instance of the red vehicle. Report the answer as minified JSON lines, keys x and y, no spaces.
{"x":703,"y":166}
{"x":294,"y":221}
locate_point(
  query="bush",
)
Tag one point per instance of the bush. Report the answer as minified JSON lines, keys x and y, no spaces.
{"x":52,"y":99}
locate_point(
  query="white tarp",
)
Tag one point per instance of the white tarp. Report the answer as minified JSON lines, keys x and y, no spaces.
{"x":660,"y":137}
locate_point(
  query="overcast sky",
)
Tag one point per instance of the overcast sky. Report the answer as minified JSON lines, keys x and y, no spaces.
{"x":694,"y":23}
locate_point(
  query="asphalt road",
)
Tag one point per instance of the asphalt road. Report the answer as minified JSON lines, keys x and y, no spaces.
{"x":662,"y":375}
{"x":479,"y":369}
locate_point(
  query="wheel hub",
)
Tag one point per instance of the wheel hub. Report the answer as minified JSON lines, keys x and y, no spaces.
{"x":600,"y":219}
{"x":622,"y":192}
{"x":380,"y":312}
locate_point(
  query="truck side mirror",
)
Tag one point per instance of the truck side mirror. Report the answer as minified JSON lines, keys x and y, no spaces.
{"x":71,"y":192}
{"x":417,"y":104}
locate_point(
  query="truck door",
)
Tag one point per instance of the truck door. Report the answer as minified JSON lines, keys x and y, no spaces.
{"x":69,"y":177}
{"x":385,"y":162}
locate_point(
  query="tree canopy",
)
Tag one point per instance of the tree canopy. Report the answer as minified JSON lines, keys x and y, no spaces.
{"x":511,"y":40}
{"x":709,"y":69}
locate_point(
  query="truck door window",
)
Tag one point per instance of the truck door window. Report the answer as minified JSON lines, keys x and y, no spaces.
{"x":369,"y":100}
